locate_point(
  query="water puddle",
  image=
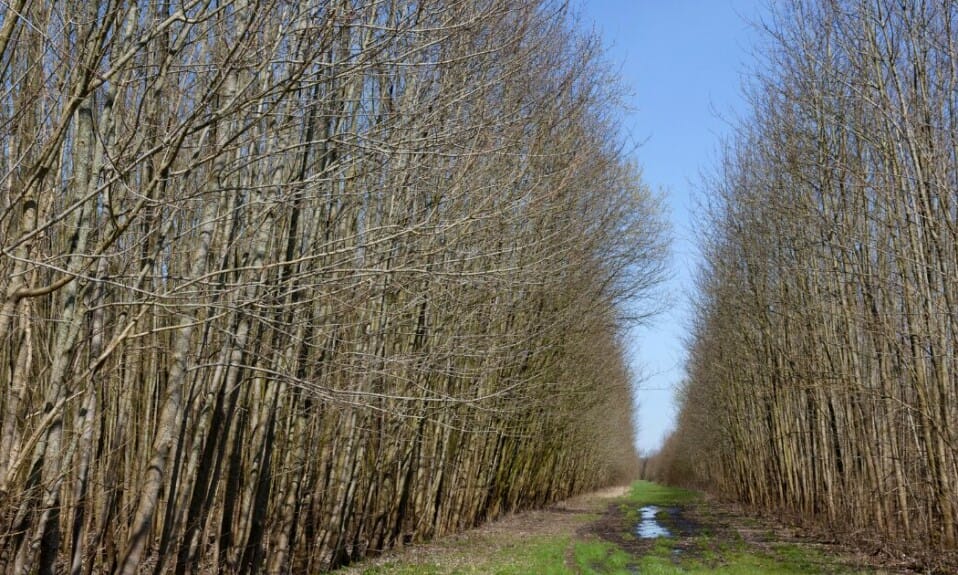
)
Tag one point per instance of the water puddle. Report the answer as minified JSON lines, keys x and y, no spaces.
{"x":649,"y":527}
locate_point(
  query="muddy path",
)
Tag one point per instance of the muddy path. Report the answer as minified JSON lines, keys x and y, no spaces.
{"x":705,"y":535}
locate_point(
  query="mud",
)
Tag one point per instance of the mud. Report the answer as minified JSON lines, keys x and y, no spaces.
{"x":620,"y":523}
{"x":727,"y":525}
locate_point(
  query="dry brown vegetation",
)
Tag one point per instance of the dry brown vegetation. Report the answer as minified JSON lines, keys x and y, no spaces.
{"x":822,"y":370}
{"x":286,"y":282}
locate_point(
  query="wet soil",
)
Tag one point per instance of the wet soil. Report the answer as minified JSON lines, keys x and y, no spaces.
{"x":618,"y":525}
{"x":704,"y":528}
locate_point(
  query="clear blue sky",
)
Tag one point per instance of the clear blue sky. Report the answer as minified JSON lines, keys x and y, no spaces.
{"x":684,"y":62}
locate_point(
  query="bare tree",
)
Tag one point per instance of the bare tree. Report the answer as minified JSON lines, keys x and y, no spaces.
{"x":825,"y":334}
{"x":285,"y":283}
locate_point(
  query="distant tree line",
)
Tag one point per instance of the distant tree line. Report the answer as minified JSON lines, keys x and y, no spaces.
{"x":822,"y":374}
{"x":283,"y":283}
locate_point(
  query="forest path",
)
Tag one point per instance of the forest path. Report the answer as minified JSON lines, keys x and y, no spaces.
{"x":601,"y":533}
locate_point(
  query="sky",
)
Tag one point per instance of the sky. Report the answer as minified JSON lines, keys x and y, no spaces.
{"x":684,"y":63}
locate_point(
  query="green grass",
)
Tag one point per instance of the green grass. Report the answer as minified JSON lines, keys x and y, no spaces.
{"x":544,"y":555}
{"x":648,"y":493}
{"x":602,"y":558}
{"x":787,"y":560}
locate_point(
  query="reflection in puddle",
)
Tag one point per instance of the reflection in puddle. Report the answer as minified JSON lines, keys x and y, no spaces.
{"x":649,"y":527}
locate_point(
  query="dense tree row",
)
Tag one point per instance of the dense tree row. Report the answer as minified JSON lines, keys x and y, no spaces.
{"x":286,"y":282}
{"x":822,"y":371}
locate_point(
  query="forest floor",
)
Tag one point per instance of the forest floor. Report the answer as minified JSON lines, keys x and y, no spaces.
{"x":644,"y":528}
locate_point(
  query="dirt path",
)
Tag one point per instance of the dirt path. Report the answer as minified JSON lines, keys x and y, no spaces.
{"x":463,"y":552}
{"x":598,"y":534}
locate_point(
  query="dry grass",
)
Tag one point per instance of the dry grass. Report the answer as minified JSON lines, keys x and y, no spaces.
{"x":496,"y":545}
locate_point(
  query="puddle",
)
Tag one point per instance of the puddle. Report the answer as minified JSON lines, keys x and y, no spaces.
{"x":649,"y":527}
